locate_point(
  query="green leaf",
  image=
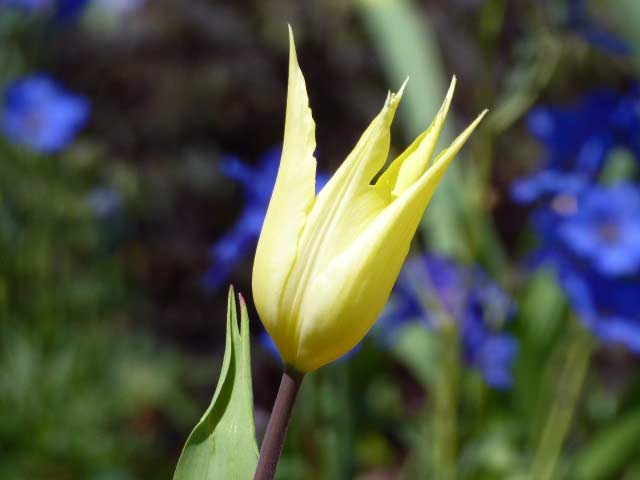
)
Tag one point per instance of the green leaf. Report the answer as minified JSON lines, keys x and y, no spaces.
{"x":417,"y":349}
{"x":223,"y":443}
{"x":610,"y":450}
{"x":620,"y":165}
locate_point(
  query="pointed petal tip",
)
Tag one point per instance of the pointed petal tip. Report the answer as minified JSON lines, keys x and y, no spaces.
{"x":462,"y":138}
{"x":293,"y":55}
{"x":394,"y":98}
{"x":446,"y":104}
{"x":452,"y":86}
{"x":402,"y":87}
{"x":481,"y":116}
{"x":292,"y":41}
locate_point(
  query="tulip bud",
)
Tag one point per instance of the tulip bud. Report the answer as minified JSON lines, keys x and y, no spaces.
{"x":326,"y":264}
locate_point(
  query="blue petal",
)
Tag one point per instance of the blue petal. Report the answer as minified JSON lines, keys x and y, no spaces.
{"x":41,"y":115}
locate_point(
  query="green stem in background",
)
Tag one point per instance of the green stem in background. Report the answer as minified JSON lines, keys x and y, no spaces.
{"x":407,"y":45}
{"x":446,"y":405}
{"x":435,"y":448}
{"x":516,"y":101}
{"x":336,"y":437}
{"x":568,"y":385}
{"x":278,"y":424}
{"x":627,"y":15}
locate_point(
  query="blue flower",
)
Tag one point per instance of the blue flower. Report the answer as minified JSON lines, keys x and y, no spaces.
{"x":28,"y":5}
{"x":62,"y":10}
{"x":433,"y":290}
{"x":39,"y":114}
{"x":267,"y":342}
{"x":605,"y":229}
{"x":547,"y":183}
{"x":578,"y":140}
{"x":592,"y":242}
{"x":241,"y":239}
{"x":607,"y":306}
{"x":598,"y":227}
{"x":584,"y":25}
{"x":494,"y":355}
{"x":68,"y":10}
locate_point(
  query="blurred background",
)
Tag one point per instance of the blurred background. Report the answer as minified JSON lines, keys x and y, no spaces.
{"x":139,"y":144}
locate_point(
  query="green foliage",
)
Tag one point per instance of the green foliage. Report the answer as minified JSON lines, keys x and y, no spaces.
{"x":84,"y":405}
{"x":223,"y":443}
{"x":417,"y":349}
{"x":83,"y":393}
{"x":610,"y":449}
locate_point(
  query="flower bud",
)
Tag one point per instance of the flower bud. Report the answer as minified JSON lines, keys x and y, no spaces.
{"x":326,"y":263}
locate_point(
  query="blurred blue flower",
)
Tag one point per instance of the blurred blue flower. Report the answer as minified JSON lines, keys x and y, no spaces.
{"x":581,"y":21}
{"x":39,"y":114}
{"x":592,"y":242}
{"x":578,"y":140}
{"x":240,"y":240}
{"x":590,"y":234}
{"x":267,"y":342}
{"x":607,"y":306}
{"x":605,"y":229}
{"x":28,"y":5}
{"x":547,"y":183}
{"x":433,"y":289}
{"x":62,"y":10}
{"x":68,"y":10}
{"x":598,"y":227}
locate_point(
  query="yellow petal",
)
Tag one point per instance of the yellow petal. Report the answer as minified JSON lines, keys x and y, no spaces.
{"x":291,"y":200}
{"x":348,"y":203}
{"x":347,"y":297}
{"x":344,"y":207}
{"x":413,"y":162}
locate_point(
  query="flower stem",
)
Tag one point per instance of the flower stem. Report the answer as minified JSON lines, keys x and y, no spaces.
{"x":278,"y":424}
{"x":563,"y":404}
{"x":446,"y":405}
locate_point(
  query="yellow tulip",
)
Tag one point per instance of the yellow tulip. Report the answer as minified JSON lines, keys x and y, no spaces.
{"x":325,"y":264}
